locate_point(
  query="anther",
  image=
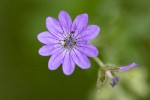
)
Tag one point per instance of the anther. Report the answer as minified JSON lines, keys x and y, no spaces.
{"x":65,"y":45}
{"x":72,"y":32}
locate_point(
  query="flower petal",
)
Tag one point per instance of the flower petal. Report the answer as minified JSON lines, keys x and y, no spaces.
{"x":80,"y":59}
{"x":88,"y":49}
{"x":65,"y":21}
{"x":47,"y":38}
{"x":54,"y":27}
{"x":79,"y":24}
{"x":68,"y":64}
{"x":124,"y":68}
{"x":114,"y":81}
{"x":89,"y":33}
{"x":49,"y":49}
{"x":56,"y":60}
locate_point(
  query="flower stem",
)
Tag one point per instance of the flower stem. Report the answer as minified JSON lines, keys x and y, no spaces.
{"x":99,"y":62}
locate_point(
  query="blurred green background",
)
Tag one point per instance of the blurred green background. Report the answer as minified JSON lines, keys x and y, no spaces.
{"x":124,"y":38}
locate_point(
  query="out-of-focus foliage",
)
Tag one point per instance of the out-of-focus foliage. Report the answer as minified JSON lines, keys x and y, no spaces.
{"x":124,"y":38}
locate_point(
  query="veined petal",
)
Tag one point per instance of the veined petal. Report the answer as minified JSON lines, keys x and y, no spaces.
{"x":88,"y":50}
{"x":80,"y":59}
{"x":65,"y":21}
{"x":54,"y":27}
{"x":89,"y":33}
{"x":68,"y":64}
{"x":49,"y":49}
{"x":124,"y":68}
{"x":56,"y":60}
{"x":79,"y":24}
{"x":47,"y":38}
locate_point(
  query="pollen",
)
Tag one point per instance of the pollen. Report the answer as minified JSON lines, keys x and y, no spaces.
{"x":69,"y":42}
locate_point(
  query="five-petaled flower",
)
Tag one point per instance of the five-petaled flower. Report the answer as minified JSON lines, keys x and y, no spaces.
{"x":67,"y":42}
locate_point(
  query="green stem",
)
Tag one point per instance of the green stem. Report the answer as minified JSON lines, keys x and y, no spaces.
{"x":99,"y":62}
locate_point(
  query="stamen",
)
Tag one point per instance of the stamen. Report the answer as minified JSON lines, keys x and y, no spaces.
{"x":72,"y":32}
{"x":69,"y":37}
{"x":68,"y":42}
{"x":65,"y":45}
{"x":63,"y":42}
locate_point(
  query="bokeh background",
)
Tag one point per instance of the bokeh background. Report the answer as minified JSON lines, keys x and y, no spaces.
{"x":124,"y":38}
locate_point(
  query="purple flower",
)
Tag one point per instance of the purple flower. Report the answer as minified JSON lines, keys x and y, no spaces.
{"x":115,"y":79}
{"x":108,"y":71}
{"x":67,"y":42}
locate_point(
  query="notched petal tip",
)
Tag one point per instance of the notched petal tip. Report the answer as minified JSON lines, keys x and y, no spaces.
{"x":65,"y":21}
{"x":56,"y":60}
{"x":68,"y":73}
{"x":44,"y":51}
{"x":40,"y":36}
{"x":68,"y":65}
{"x":96,"y":53}
{"x":46,"y":38}
{"x":63,"y":12}
{"x":89,"y":33}
{"x":84,"y":15}
{"x":49,"y":19}
{"x":80,"y":23}
{"x":97,"y":29}
{"x":53,"y":66}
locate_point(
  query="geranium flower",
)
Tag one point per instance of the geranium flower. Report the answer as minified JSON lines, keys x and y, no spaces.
{"x":67,"y":42}
{"x":108,"y":72}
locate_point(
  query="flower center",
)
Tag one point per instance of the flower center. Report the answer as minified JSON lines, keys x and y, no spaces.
{"x":69,"y":42}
